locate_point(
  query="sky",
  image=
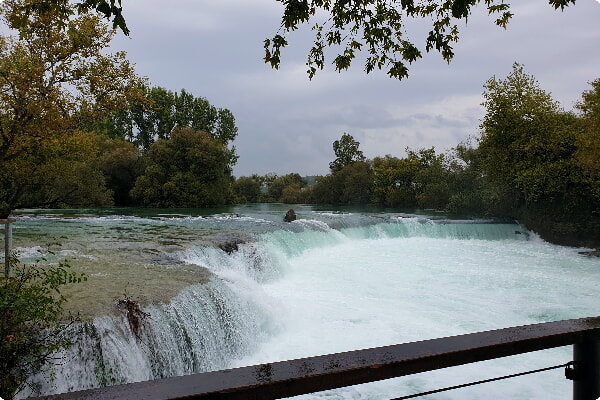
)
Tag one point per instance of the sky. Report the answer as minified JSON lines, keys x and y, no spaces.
{"x":288,"y":123}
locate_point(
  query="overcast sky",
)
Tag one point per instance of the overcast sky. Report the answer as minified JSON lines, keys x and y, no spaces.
{"x":287,"y":123}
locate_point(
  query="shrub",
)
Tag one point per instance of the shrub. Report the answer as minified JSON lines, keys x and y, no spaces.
{"x":32,"y":327}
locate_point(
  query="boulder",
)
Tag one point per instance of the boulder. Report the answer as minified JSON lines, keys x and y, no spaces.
{"x":290,"y":216}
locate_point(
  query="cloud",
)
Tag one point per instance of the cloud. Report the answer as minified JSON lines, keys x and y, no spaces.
{"x":288,"y":123}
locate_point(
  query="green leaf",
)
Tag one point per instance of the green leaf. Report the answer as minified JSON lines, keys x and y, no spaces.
{"x":104,"y":8}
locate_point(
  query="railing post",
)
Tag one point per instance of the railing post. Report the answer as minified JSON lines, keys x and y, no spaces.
{"x":586,"y":381}
{"x":7,"y":244}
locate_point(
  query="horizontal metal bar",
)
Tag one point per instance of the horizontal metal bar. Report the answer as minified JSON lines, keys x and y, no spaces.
{"x":313,"y":374}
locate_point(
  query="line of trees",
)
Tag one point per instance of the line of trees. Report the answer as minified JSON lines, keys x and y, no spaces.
{"x":168,"y":149}
{"x":532,"y":161}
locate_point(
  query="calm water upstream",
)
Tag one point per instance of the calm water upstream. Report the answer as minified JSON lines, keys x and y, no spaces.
{"x":238,"y":286}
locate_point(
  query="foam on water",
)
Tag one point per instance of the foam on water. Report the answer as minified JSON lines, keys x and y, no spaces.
{"x":374,"y":292}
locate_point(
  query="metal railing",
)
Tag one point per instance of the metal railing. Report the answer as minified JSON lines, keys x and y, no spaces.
{"x":307,"y":375}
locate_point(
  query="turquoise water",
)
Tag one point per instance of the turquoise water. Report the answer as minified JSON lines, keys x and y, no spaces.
{"x":334,"y":280}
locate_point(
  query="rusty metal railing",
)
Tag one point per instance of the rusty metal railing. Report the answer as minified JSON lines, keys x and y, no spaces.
{"x":307,"y":375}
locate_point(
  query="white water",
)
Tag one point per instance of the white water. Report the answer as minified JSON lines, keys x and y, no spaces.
{"x":312,"y":290}
{"x":374,"y":292}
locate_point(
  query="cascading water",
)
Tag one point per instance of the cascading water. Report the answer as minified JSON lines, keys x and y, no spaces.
{"x":332,"y":282}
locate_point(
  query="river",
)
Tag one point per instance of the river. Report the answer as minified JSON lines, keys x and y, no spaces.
{"x":238,"y":286}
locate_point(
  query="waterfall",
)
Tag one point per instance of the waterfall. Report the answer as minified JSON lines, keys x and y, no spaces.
{"x":203,"y":329}
{"x":334,"y":282}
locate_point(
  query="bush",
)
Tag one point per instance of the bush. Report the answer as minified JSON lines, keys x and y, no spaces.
{"x":32,"y":327}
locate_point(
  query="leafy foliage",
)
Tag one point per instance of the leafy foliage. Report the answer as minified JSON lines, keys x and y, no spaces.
{"x":524,"y":133}
{"x":64,"y":9}
{"x":530,"y":161}
{"x":191,"y":169}
{"x":419,"y":180}
{"x":354,"y":183}
{"x":119,"y":163}
{"x":32,"y":327}
{"x":68,"y":176}
{"x":394,"y":181}
{"x":153,"y":117}
{"x":55,"y":75}
{"x":288,"y":185}
{"x":379,"y":28}
{"x":247,"y":189}
{"x":346,"y":153}
{"x":588,"y":142}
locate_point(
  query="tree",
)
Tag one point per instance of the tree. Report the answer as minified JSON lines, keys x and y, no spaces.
{"x":109,"y":9}
{"x":588,"y":142}
{"x":393,"y":181}
{"x":351,"y":178}
{"x":145,"y":120}
{"x":119,"y":163}
{"x":292,"y":194}
{"x":378,"y":28}
{"x":325,"y":190}
{"x":432,"y":180}
{"x":68,"y":177}
{"x":190,"y":169}
{"x":587,"y":156}
{"x":247,"y":189}
{"x":529,"y":158}
{"x":32,"y":327}
{"x":466,"y":182}
{"x":419,"y":180}
{"x":520,"y":132}
{"x":53,"y":77}
{"x":346,"y":153}
{"x":277,"y":186}
{"x":356,"y":183}
{"x":351,"y":185}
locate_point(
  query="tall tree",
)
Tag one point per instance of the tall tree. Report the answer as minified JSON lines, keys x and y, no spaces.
{"x":393,"y":181}
{"x":190,"y":169}
{"x":143,"y":121}
{"x":356,"y":183}
{"x":68,"y":177}
{"x":528,"y":156}
{"x":119,"y":163}
{"x":52,"y":78}
{"x":155,"y":116}
{"x":419,"y":180}
{"x":247,"y":189}
{"x":587,"y":156}
{"x":466,"y":181}
{"x":520,"y":124}
{"x":346,"y":153}
{"x":588,"y":144}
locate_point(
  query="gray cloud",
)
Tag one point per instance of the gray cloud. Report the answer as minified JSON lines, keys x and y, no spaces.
{"x":288,"y":123}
